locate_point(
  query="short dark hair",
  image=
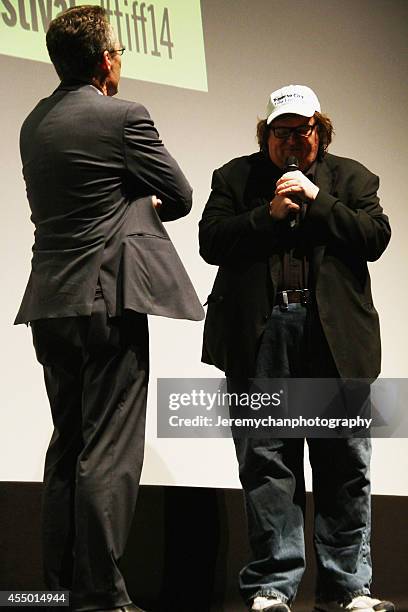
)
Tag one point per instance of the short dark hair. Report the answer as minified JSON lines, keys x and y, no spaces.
{"x":76,"y":40}
{"x":324,"y":127}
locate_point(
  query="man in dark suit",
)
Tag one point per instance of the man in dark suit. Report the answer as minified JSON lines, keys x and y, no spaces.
{"x":292,"y":298}
{"x":100,"y":258}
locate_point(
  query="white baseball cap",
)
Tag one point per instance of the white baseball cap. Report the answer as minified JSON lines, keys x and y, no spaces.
{"x":294,"y":100}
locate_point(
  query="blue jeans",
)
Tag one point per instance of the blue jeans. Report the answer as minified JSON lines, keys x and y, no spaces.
{"x":271,"y":473}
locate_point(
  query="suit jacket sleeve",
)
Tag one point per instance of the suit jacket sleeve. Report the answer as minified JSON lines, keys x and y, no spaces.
{"x":352,"y":219}
{"x":151,"y":165}
{"x":229,"y":233}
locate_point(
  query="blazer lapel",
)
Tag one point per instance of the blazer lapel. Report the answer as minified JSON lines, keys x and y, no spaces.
{"x":324,"y":180}
{"x":323,"y":176}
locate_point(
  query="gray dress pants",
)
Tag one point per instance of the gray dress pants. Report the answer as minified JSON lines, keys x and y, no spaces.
{"x":96,"y":375}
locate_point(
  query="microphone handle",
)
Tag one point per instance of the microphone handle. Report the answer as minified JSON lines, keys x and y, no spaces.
{"x":292,"y":165}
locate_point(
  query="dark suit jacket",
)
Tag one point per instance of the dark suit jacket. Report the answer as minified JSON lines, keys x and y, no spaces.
{"x":87,"y":161}
{"x":344,"y":227}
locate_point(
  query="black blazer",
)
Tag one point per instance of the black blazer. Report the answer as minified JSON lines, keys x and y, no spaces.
{"x":87,"y":161}
{"x":345,"y":227}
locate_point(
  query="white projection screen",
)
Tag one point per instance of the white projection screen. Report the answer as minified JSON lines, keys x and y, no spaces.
{"x":230,"y":55}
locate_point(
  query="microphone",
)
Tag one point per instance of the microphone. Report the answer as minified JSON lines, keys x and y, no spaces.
{"x":291,"y":165}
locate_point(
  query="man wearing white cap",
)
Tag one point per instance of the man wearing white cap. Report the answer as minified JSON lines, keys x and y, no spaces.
{"x":291,"y":228}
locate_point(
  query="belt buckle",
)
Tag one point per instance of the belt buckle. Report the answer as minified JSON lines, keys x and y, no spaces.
{"x":284,"y":302}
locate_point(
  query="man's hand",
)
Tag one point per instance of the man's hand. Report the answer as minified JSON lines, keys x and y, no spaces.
{"x":281,"y":207}
{"x":156,"y":203}
{"x":296,"y":183}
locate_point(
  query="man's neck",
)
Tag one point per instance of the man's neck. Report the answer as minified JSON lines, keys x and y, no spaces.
{"x":102,"y":87}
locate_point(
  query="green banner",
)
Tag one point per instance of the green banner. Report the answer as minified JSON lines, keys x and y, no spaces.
{"x":163,"y":38}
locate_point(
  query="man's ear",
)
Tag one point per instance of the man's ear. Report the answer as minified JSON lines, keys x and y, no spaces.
{"x":106,"y":63}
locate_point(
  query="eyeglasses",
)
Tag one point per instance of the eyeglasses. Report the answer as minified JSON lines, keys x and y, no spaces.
{"x":118,"y":51}
{"x":300,"y":130}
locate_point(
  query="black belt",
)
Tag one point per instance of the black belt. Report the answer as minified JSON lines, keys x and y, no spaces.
{"x":292,"y":296}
